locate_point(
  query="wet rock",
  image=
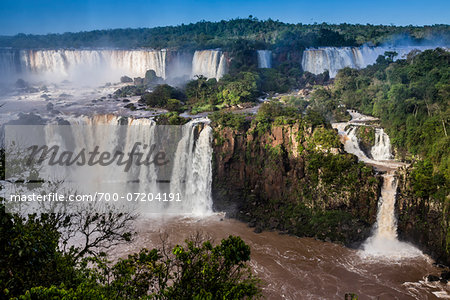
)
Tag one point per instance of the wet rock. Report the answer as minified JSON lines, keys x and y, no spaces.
{"x":432,"y":278}
{"x":55,"y":112}
{"x":28,"y":119}
{"x":130,"y":106}
{"x":31,"y":90}
{"x":21,"y":84}
{"x":125,"y":100}
{"x":49,"y":106}
{"x":138,"y":81}
{"x":61,"y":121}
{"x":445,"y":275}
{"x":443,"y":281}
{"x":126,"y":79}
{"x":45,"y":96}
{"x":64,"y":95}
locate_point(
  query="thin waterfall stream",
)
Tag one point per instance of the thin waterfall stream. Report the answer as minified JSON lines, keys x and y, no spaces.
{"x":384,"y":242}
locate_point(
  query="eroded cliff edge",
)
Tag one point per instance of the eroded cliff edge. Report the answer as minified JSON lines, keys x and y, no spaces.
{"x":422,"y":220}
{"x":294,"y":178}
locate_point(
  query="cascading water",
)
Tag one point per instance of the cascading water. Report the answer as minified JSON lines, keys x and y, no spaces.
{"x":333,"y":59}
{"x":209,"y":63}
{"x":192,"y":171}
{"x":383,"y":242}
{"x":264,"y":58}
{"x":185,"y":172}
{"x":382,"y":148}
{"x":70,"y":64}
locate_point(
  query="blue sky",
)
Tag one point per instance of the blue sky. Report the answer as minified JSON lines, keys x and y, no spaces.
{"x":57,"y":16}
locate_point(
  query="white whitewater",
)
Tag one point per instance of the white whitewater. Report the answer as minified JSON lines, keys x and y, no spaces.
{"x":383,"y":243}
{"x":333,"y":59}
{"x":264,"y":59}
{"x":382,"y":148}
{"x":192,"y":171}
{"x":74,"y":64}
{"x":188,"y":149}
{"x":209,"y":63}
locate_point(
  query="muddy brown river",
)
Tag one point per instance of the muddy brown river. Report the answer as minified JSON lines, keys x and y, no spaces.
{"x":303,"y":268}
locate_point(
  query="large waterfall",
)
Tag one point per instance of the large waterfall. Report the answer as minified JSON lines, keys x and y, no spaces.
{"x":209,"y":63}
{"x":383,"y":242}
{"x":333,"y":59}
{"x":180,"y":185}
{"x":70,"y":64}
{"x":108,"y":65}
{"x":264,"y":58}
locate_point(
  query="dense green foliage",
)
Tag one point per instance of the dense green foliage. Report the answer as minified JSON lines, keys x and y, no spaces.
{"x":411,"y":98}
{"x":197,"y":270}
{"x":235,"y":121}
{"x":30,"y":255}
{"x":208,"y":94}
{"x":228,"y":34}
{"x":164,"y":96}
{"x":170,"y":118}
{"x":34,"y":266}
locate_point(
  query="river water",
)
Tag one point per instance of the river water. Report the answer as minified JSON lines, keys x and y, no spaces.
{"x":303,"y":268}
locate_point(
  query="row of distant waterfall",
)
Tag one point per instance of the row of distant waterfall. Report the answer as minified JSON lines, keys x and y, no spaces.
{"x":109,"y":64}
{"x":333,"y":59}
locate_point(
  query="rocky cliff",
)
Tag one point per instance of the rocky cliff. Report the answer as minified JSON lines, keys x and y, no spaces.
{"x":422,"y":220}
{"x":294,"y":179}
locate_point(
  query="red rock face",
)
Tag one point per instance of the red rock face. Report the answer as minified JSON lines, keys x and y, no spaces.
{"x":260,"y":177}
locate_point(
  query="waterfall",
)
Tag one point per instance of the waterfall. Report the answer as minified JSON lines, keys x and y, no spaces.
{"x":8,"y":64}
{"x":109,"y":65}
{"x":264,"y":59}
{"x":333,"y":59}
{"x":192,"y":171}
{"x":209,"y":63}
{"x":352,"y":145}
{"x":186,"y":173}
{"x":178,"y":64}
{"x":382,"y":148}
{"x":383,"y":243}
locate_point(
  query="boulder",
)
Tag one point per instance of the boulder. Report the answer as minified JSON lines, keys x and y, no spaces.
{"x":126,"y":79}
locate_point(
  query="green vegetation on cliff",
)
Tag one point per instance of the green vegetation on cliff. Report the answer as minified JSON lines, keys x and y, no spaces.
{"x":285,"y":170}
{"x":411,"y":98}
